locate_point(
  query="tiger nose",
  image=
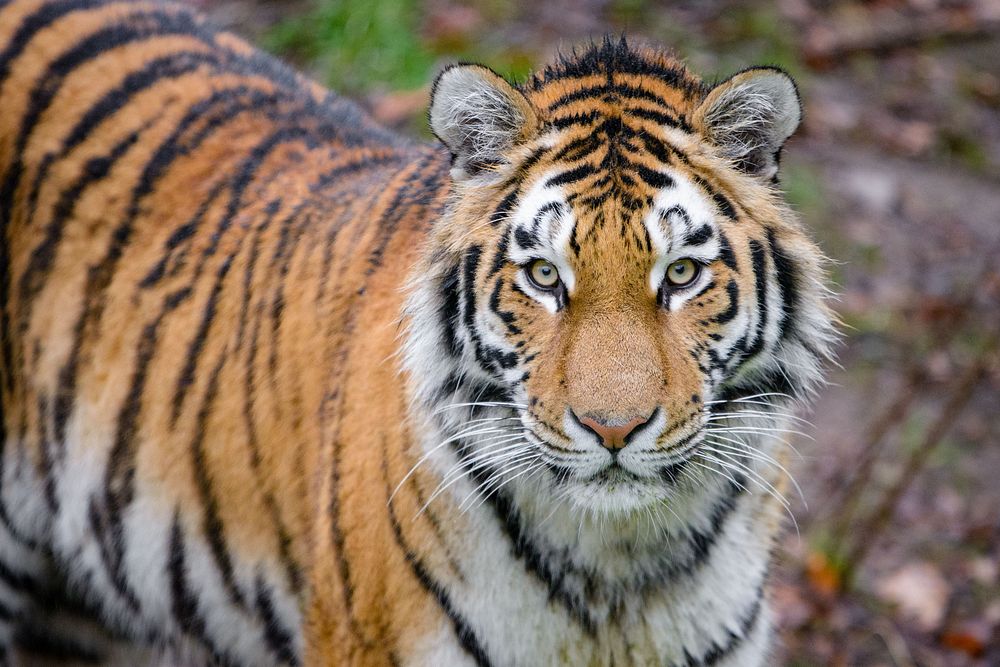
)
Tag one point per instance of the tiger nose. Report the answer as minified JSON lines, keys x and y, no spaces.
{"x":614,"y":434}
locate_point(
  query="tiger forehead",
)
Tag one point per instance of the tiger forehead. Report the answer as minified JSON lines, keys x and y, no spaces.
{"x":614,"y":77}
{"x":553,"y":218}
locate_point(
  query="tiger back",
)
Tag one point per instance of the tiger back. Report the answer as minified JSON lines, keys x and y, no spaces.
{"x":282,"y":387}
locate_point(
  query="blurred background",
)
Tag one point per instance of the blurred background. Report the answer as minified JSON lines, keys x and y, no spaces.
{"x":895,"y":559}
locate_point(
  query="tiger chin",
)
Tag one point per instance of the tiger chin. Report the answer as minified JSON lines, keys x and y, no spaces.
{"x":280,"y":387}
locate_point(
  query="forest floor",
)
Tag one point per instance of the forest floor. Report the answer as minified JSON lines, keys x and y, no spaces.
{"x":895,"y":557}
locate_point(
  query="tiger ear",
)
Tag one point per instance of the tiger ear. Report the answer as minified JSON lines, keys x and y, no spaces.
{"x":750,"y":116}
{"x":479,"y":117}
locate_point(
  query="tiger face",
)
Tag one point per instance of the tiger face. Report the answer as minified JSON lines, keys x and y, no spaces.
{"x":618,"y":271}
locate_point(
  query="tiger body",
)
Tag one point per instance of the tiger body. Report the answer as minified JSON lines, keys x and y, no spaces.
{"x":272,"y":376}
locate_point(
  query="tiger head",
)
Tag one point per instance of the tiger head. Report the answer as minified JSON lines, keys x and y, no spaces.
{"x":615,"y":272}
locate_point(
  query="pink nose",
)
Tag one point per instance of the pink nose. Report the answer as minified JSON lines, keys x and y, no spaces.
{"x":613,"y":437}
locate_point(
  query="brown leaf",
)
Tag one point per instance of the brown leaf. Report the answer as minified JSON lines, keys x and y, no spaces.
{"x":965,"y":642}
{"x":822,"y":575}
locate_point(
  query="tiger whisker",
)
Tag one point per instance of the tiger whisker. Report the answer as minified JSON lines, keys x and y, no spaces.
{"x":478,"y":460}
{"x":482,"y":404}
{"x":525,"y":466}
{"x":760,"y":413}
{"x":760,"y":430}
{"x":505,"y":433}
{"x":765,"y":394}
{"x":734,"y":463}
{"x":716,"y":471}
{"x":756,"y":454}
{"x":761,"y":482}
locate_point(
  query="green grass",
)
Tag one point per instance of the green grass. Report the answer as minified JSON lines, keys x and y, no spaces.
{"x":358,"y":45}
{"x":361,"y":45}
{"x":753,"y":34}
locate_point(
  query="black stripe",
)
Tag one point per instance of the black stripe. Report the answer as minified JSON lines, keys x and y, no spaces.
{"x":448,"y":310}
{"x":212,"y":524}
{"x":7,"y":614}
{"x":577,"y":149}
{"x":181,"y":235}
{"x":660,"y":117}
{"x":677,"y":210}
{"x":500,"y":255}
{"x":470,"y":265}
{"x":653,"y":178}
{"x":526,"y":238}
{"x":726,"y":253}
{"x":155,"y":71}
{"x":504,"y":207}
{"x":287,"y":244}
{"x":733,"y":292}
{"x":771,"y":380}
{"x":758,"y":262}
{"x":463,"y":631}
{"x":725,"y":205}
{"x":581,"y":118}
{"x":19,"y":582}
{"x":506,"y":317}
{"x":734,"y":640}
{"x":42,"y":644}
{"x":491,"y":358}
{"x":43,"y":255}
{"x":787,"y":276}
{"x":47,"y":456}
{"x":572,"y":176}
{"x":700,"y":236}
{"x":622,"y":91}
{"x":184,"y":601}
{"x":292,"y":568}
{"x":661,"y":150}
{"x":244,"y":176}
{"x":279,"y":638}
{"x":30,"y":26}
{"x":119,"y":474}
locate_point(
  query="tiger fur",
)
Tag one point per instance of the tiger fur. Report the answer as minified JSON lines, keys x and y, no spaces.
{"x":280,"y":387}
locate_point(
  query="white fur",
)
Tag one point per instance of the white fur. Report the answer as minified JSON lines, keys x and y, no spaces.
{"x":755,"y":115}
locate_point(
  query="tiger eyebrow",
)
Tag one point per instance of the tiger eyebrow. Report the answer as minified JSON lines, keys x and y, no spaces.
{"x":556,"y":206}
{"x":699,"y":236}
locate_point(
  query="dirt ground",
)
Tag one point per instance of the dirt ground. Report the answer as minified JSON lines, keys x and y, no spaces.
{"x":896,"y":556}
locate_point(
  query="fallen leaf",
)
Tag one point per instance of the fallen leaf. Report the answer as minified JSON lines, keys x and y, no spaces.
{"x":966,"y":642}
{"x":920,"y":592}
{"x":822,"y":575}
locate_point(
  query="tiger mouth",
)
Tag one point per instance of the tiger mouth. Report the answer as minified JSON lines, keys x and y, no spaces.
{"x":669,"y":470}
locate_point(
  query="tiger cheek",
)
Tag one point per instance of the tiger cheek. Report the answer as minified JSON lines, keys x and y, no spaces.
{"x":545,"y":385}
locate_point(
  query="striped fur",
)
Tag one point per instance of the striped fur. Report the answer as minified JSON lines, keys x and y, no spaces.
{"x":276,"y":388}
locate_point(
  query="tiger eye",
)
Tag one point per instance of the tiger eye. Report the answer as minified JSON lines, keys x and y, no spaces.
{"x":543,"y":274}
{"x":682,"y":272}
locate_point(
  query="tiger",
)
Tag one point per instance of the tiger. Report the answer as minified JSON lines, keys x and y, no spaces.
{"x":283,"y":387}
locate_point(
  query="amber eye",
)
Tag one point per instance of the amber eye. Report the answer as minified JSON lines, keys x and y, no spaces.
{"x":543,"y":274}
{"x":682,"y":272}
